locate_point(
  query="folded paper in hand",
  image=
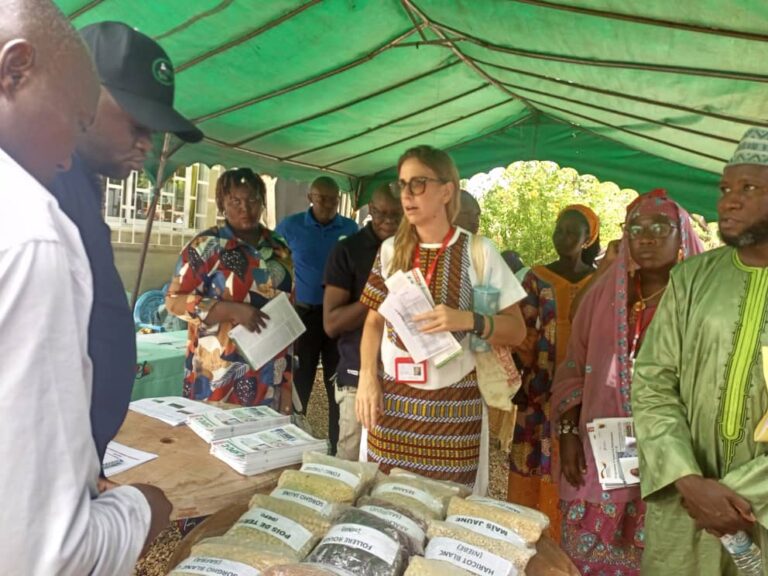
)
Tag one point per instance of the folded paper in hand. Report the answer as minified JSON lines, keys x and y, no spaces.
{"x":408,"y":296}
{"x":283,"y":328}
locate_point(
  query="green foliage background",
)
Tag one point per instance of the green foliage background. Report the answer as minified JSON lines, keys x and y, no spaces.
{"x":521,"y":203}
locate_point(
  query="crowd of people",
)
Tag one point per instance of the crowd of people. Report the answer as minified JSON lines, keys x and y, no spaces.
{"x":658,"y":330}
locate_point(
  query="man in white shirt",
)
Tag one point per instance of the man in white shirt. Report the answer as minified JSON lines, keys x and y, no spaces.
{"x":53,"y":521}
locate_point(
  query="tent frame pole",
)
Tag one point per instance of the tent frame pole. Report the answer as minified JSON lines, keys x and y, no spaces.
{"x":156,"y":190}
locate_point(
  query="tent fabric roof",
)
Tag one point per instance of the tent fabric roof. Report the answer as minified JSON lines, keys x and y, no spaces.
{"x":643,"y":93}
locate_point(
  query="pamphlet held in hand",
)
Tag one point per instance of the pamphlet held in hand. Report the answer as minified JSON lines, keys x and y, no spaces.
{"x":283,"y":328}
{"x":614,"y":448}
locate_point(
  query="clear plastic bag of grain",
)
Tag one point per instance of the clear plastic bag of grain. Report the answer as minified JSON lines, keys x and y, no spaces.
{"x":306,"y":569}
{"x":281,"y":526}
{"x":350,"y":479}
{"x":424,"y":497}
{"x":237,"y":550}
{"x":461,"y":489}
{"x":409,"y":524}
{"x":197,"y":565}
{"x":526,"y":524}
{"x":329,"y":478}
{"x":469,"y":550}
{"x":313,"y":504}
{"x":422,"y":567}
{"x":363,"y":544}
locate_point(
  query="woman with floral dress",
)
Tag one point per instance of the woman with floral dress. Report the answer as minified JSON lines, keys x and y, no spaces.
{"x":224,"y":276}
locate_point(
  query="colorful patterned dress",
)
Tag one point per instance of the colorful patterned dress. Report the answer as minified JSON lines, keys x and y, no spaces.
{"x":216,"y":265}
{"x":436,"y":429}
{"x":603,"y":530}
{"x":546,"y":311}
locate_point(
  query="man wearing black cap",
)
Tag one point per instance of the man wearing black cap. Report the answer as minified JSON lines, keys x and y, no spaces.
{"x":137,"y":86}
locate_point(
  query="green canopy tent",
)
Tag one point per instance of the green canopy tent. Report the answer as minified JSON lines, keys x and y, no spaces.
{"x":647,"y":94}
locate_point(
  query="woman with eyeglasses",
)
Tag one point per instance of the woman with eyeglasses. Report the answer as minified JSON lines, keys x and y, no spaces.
{"x":422,"y":417}
{"x":551,"y":288}
{"x":602,"y":530}
{"x":224,"y":276}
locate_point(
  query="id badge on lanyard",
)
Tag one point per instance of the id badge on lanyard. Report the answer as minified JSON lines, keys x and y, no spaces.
{"x":409,"y":372}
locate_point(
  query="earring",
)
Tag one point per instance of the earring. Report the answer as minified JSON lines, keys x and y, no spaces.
{"x":680,"y":254}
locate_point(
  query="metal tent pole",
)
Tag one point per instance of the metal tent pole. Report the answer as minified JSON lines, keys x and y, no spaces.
{"x":151,"y":217}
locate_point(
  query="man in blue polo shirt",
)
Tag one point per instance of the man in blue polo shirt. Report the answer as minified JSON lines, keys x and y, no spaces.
{"x":311,"y":236}
{"x":136,"y":100}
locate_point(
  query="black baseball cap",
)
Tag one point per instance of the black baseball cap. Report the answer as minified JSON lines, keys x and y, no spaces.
{"x":139,"y":75}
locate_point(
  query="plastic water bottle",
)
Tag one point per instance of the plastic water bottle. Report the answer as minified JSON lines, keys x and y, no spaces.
{"x":745,"y":553}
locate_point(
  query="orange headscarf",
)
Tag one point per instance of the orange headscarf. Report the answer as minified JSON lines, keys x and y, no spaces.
{"x":593,"y":222}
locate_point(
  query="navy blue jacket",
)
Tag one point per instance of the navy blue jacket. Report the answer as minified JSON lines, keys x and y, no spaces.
{"x":111,"y":332}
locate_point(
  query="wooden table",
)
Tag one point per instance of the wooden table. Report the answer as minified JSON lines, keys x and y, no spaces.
{"x":196,"y":483}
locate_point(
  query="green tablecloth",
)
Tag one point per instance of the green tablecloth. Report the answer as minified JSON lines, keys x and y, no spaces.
{"x":160,"y":369}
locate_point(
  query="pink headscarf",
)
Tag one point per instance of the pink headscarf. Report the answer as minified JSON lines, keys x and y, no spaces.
{"x":596,"y":372}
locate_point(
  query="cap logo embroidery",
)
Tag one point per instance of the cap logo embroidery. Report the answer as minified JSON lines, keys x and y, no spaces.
{"x":163,"y":71}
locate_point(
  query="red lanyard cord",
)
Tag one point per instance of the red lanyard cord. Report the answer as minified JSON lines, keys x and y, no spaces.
{"x":433,"y":266}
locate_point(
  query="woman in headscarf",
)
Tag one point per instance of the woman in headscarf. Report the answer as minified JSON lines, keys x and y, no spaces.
{"x":223,"y":278}
{"x":551,"y":289}
{"x":602,"y":531}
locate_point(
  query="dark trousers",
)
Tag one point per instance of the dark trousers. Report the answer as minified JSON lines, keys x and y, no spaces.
{"x":309,"y":348}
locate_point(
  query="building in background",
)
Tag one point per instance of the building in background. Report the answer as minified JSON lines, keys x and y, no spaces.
{"x":187,"y":205}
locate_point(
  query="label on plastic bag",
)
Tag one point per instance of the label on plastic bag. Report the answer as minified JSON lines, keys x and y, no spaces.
{"x":404,"y":490}
{"x":468,"y":557}
{"x":302,"y":498}
{"x":400,"y":521}
{"x":284,"y":529}
{"x":206,"y":566}
{"x":332,"y":472}
{"x":363,"y":538}
{"x":487,"y":528}
{"x":509,"y":507}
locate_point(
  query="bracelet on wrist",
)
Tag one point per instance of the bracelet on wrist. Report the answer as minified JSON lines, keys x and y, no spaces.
{"x":568,"y":427}
{"x":489,"y":321}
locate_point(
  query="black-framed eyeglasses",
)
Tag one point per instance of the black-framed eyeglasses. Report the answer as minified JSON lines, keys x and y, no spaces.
{"x":416,"y":186}
{"x":654,"y":230}
{"x":382,"y":216}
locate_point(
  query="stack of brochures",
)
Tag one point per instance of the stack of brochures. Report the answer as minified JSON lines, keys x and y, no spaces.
{"x":173,"y":410}
{"x":236,"y":422}
{"x":615,"y":451}
{"x":266,"y":450}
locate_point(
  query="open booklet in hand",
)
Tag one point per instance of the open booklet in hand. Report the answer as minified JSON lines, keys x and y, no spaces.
{"x":236,"y":422}
{"x":614,"y":449}
{"x":283,"y":328}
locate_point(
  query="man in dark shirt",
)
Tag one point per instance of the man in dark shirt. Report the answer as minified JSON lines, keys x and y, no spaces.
{"x":346,"y":273}
{"x":136,"y":100}
{"x":311,"y":235}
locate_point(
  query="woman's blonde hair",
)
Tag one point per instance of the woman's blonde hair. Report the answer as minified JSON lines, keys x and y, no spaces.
{"x":442,"y":165}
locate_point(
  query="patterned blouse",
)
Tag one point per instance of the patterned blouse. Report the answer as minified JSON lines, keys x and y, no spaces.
{"x":217,"y":265}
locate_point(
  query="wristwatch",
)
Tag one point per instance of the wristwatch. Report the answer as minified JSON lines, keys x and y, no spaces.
{"x":568,"y":427}
{"x":478,"y":329}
